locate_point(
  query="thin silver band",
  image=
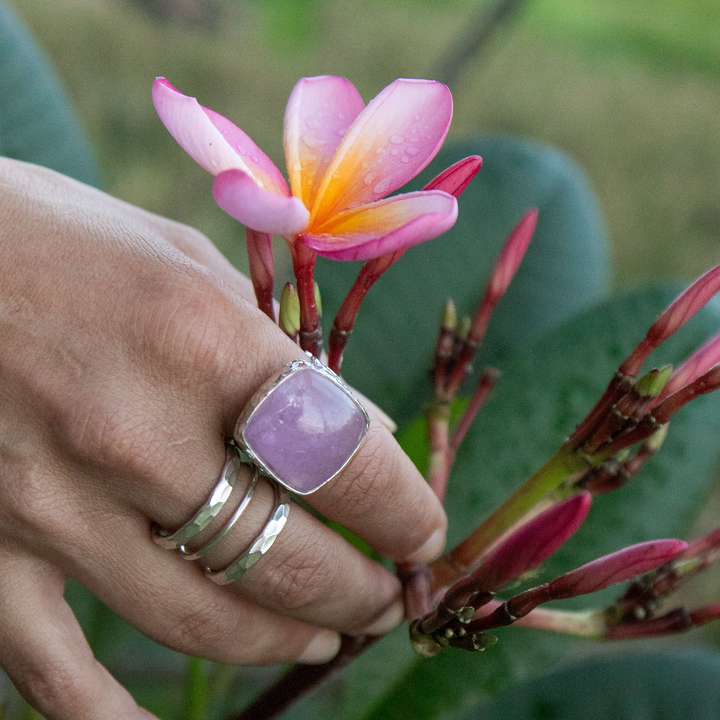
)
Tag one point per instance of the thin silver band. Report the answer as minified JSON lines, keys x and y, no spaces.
{"x":207,"y":549}
{"x":205,"y":515}
{"x":262,"y":543}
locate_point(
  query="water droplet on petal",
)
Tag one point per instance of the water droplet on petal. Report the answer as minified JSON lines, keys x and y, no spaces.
{"x":397,"y":139}
{"x":382,"y":187}
{"x":369,"y":179}
{"x":380,"y":151}
{"x":255,"y":158}
{"x":394,"y":151}
{"x":411,"y":150}
{"x":405,"y":158}
{"x":297,"y":167}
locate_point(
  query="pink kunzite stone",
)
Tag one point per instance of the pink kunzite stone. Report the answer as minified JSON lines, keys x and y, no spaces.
{"x":305,"y":430}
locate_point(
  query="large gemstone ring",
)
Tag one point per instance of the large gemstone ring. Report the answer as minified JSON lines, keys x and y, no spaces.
{"x":302,"y":427}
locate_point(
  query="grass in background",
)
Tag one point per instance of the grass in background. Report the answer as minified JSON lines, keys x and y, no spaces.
{"x":630,"y":89}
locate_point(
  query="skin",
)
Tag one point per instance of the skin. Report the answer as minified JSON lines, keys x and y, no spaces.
{"x":128,"y":348}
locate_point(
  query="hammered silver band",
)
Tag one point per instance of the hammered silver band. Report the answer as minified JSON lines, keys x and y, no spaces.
{"x":207,"y":513}
{"x":207,"y":549}
{"x":260,"y":545}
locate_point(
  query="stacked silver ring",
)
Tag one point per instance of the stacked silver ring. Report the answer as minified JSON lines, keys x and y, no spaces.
{"x":277,"y":432}
{"x":211,"y":509}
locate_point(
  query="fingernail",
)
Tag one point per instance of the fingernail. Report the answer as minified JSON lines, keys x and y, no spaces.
{"x":390,"y":619}
{"x":322,"y":648}
{"x":431,"y":549}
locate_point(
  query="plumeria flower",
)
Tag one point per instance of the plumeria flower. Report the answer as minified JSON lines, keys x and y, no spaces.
{"x":343,"y":158}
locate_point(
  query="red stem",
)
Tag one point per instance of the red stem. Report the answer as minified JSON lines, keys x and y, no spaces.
{"x":301,"y":679}
{"x":304,"y":267}
{"x":260,"y":260}
{"x":485,"y":384}
{"x":346,"y":316}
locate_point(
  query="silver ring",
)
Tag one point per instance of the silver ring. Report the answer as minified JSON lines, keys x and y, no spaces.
{"x":260,"y":545}
{"x":302,"y":427}
{"x":207,"y":549}
{"x":205,"y":515}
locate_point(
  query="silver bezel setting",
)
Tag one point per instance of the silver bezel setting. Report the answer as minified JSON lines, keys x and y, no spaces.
{"x":267,"y":389}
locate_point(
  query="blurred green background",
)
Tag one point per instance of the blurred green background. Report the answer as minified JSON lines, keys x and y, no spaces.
{"x":629,"y":88}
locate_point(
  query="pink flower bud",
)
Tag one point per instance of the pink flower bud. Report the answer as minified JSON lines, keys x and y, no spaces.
{"x":512,"y":253}
{"x":709,"y":382}
{"x":673,"y":318}
{"x":533,"y":543}
{"x":614,"y":568}
{"x":698,"y":363}
{"x":705,"y":614}
{"x":457,"y":177}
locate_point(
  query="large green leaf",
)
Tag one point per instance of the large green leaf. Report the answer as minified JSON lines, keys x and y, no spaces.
{"x":545,"y":390}
{"x":661,"y":686}
{"x":37,"y":123}
{"x":565,"y":269}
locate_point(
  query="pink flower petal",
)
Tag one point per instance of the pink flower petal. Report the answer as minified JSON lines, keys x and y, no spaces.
{"x":319,"y":113}
{"x":391,"y":141}
{"x":457,"y":177}
{"x":211,"y":139}
{"x":396,"y":223}
{"x":237,"y":193}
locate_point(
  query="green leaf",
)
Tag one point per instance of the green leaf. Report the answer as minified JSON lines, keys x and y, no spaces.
{"x":565,"y":269}
{"x":544,"y":391}
{"x":661,"y":686}
{"x":37,"y":123}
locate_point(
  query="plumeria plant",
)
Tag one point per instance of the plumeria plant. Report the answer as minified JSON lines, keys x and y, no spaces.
{"x":344,"y":162}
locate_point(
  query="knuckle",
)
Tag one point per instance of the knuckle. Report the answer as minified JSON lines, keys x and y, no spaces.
{"x":186,"y":329}
{"x":303,"y":579}
{"x":102,"y":430}
{"x":31,"y":500}
{"x":54,"y":688}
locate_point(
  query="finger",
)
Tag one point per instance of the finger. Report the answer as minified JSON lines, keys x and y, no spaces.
{"x":311,"y":573}
{"x":43,"y":650}
{"x":380,"y":495}
{"x":172,"y":602}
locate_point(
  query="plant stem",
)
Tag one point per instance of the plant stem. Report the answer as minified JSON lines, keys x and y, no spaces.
{"x":260,"y":259}
{"x":347,"y":314}
{"x":485,"y":384}
{"x":440,"y":456}
{"x":194,"y":691}
{"x":304,"y":267}
{"x":301,"y":679}
{"x":564,"y":466}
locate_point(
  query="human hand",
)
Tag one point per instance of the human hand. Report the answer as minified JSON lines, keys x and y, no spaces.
{"x":128,"y":350}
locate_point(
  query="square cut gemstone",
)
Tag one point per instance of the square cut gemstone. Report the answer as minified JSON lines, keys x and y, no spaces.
{"x":305,"y":430}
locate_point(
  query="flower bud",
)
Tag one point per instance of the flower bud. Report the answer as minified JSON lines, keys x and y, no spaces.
{"x":532,"y":544}
{"x":448,"y":319}
{"x":615,"y":568}
{"x":318,"y":299}
{"x":289,"y":311}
